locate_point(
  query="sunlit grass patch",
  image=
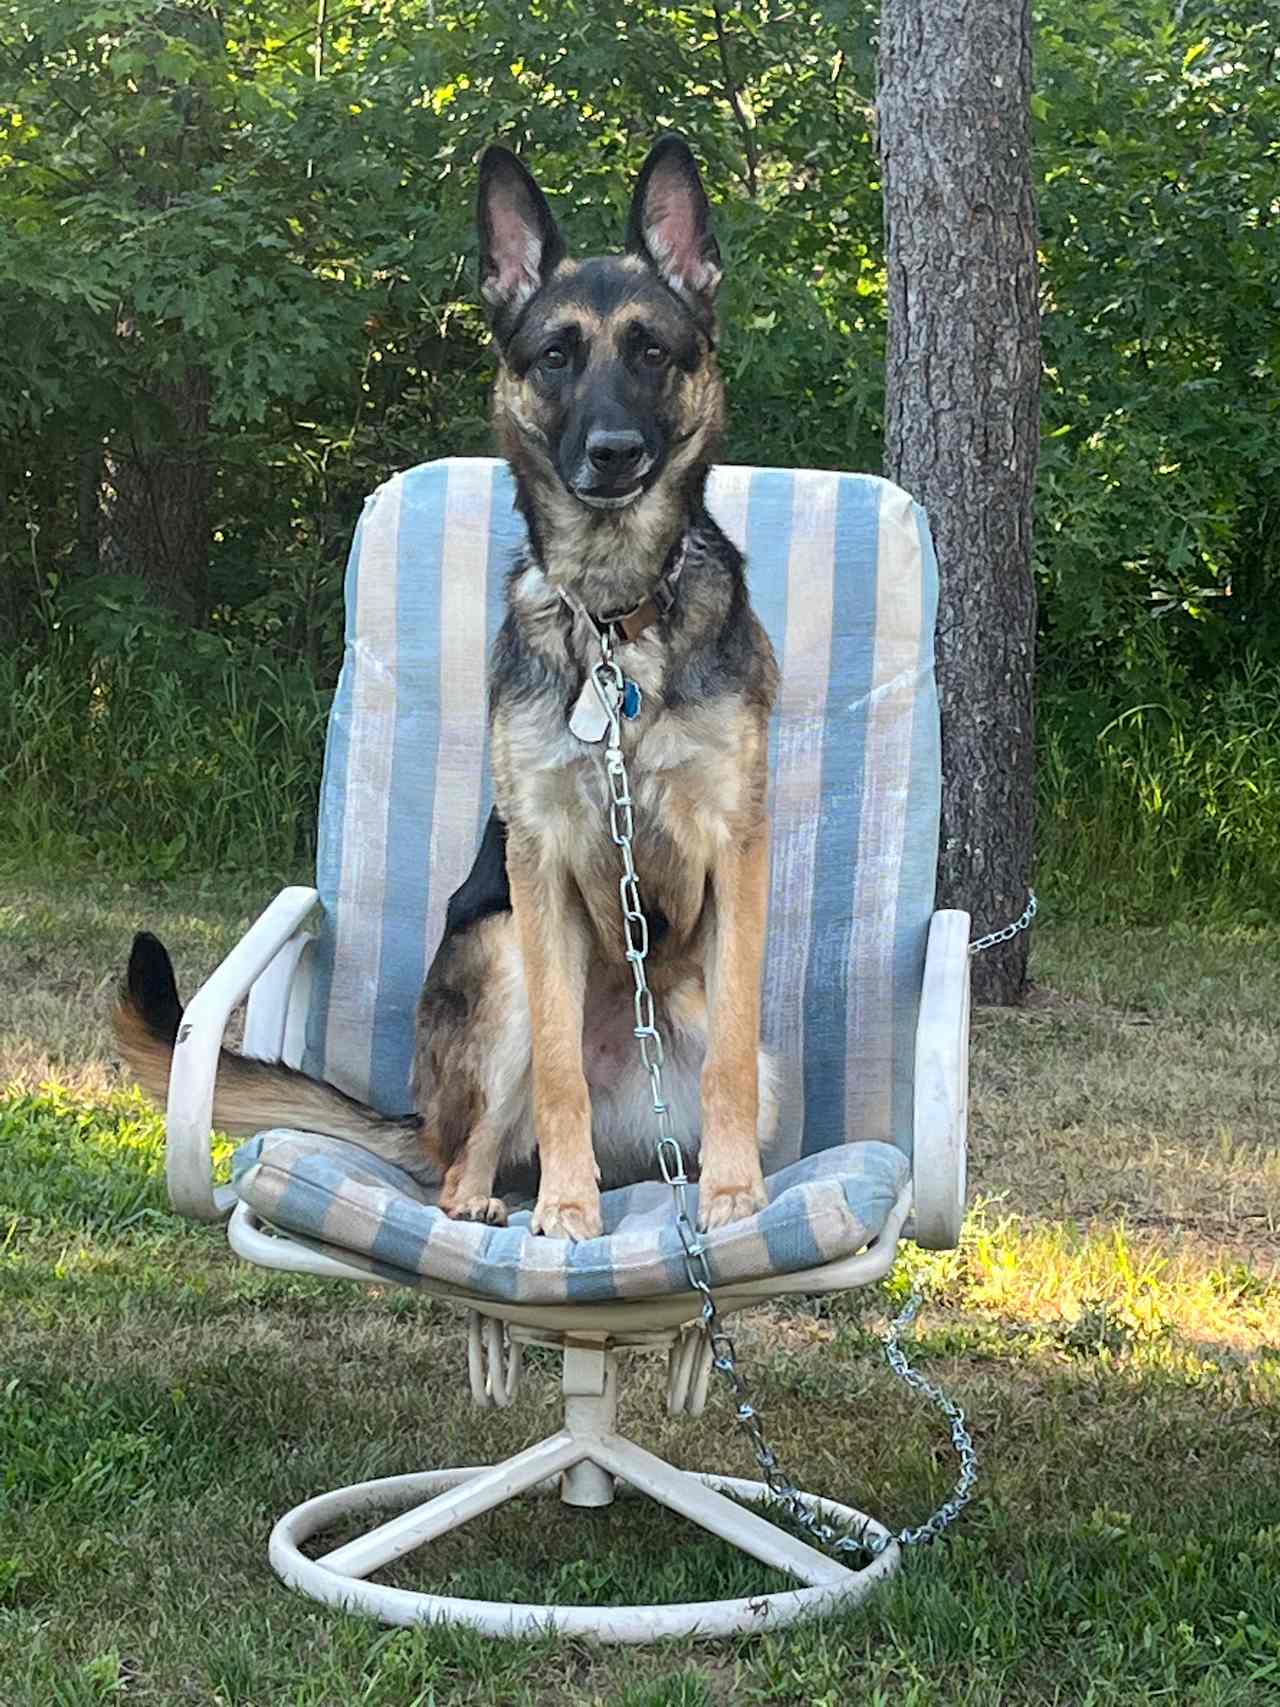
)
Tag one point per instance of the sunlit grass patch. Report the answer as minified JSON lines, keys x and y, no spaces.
{"x":80,"y":1164}
{"x":1018,"y":1286}
{"x":92,"y":1165}
{"x":1063,"y":1275}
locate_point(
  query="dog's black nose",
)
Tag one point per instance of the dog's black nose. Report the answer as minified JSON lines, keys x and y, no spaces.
{"x":615,"y":455}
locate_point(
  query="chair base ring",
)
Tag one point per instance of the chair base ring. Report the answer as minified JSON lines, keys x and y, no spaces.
{"x":517,"y":1620}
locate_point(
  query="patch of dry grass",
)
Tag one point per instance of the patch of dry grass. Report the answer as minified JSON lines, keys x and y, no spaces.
{"x":1141,"y":1084}
{"x":63,"y":946}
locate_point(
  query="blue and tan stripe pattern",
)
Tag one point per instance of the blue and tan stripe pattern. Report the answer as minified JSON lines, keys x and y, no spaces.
{"x":842,"y":573}
{"x":340,"y":1198}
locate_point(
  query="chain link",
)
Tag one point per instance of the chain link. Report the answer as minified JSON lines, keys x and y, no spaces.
{"x":610,"y":685}
{"x":1021,"y":923}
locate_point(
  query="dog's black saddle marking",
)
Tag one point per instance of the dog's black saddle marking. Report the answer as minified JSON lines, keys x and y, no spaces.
{"x":486,"y":889}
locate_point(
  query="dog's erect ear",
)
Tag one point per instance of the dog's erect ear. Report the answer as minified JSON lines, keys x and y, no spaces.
{"x":520,"y":243}
{"x":670,"y":223}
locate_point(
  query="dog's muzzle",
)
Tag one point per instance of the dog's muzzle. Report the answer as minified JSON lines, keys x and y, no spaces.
{"x":611,"y":473}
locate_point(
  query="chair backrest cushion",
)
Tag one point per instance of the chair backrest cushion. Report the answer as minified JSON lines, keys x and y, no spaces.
{"x":842,"y":574}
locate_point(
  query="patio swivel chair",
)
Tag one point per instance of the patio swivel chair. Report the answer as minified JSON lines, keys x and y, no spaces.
{"x":866,"y":1001}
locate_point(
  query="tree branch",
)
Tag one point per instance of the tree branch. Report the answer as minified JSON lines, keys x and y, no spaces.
{"x":734,"y":99}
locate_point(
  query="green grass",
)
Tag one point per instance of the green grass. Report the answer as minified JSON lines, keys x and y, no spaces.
{"x":1169,"y":809}
{"x":1111,"y":1325}
{"x":148,"y":772}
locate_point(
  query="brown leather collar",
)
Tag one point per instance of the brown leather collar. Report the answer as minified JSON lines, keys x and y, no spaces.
{"x":630,"y":624}
{"x":633,"y":623}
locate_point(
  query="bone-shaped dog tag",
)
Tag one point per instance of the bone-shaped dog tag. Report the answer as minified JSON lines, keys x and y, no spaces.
{"x":589,"y":720}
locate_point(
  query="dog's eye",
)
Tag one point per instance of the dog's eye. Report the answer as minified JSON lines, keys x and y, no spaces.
{"x":653,"y":355}
{"x":555,"y":357}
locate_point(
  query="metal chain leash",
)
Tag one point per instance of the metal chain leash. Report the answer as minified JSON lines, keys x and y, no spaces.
{"x":1021,"y":923}
{"x":610,"y":685}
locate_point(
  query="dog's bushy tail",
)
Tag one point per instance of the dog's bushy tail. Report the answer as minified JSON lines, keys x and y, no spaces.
{"x":249,"y":1095}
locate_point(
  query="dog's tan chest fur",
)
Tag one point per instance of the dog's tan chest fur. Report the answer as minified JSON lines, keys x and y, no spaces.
{"x":691,"y":773}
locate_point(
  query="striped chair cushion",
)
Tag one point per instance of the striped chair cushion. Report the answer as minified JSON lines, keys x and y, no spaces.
{"x":344,"y":1200}
{"x":842,"y":574}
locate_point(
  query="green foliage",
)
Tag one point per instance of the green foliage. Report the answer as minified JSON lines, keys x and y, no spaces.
{"x":306,"y":242}
{"x":94,"y":1168}
{"x":1159,"y":509}
{"x":185,"y":204}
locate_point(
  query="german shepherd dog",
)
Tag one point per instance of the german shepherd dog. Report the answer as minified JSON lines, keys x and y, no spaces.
{"x":608,"y":405}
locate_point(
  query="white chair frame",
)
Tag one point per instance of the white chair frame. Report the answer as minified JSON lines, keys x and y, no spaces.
{"x":586,"y":1459}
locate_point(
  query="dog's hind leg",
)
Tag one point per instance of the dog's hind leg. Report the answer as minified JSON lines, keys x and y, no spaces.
{"x":467,"y":1193}
{"x":476,"y":1050}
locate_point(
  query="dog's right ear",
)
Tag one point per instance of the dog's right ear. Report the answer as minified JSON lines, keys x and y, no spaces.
{"x":520,"y":242}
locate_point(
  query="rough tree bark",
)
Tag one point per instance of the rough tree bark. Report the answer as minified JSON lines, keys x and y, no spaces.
{"x":962,"y":418}
{"x":155,"y":500}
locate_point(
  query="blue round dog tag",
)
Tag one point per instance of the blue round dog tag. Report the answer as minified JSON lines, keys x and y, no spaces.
{"x":631,"y":699}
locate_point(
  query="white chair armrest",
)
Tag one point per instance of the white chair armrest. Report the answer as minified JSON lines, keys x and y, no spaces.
{"x":942,"y":1084}
{"x":188,"y":1157}
{"x":274,"y":1002}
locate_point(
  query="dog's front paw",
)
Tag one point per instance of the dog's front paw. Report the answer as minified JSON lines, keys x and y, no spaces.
{"x":719,"y":1204}
{"x":559,"y":1216}
{"x":491,"y":1210}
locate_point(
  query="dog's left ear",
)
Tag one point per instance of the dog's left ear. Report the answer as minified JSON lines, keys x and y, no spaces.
{"x":670,"y":223}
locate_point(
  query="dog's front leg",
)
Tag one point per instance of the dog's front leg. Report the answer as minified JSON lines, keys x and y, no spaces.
{"x":732,"y":1185}
{"x":554,"y":947}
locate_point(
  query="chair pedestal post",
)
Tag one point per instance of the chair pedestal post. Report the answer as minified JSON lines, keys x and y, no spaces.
{"x":590,"y":1410}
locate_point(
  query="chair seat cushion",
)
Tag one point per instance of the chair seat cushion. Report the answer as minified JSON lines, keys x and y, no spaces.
{"x":335,"y":1194}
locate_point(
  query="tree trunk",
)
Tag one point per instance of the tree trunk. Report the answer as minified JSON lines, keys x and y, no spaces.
{"x":156,"y":498}
{"x":158,"y":472}
{"x":962,"y":419}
